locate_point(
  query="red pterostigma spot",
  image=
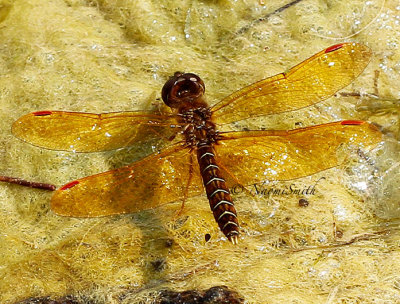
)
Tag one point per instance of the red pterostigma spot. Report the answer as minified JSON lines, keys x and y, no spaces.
{"x":334,"y":48}
{"x":42,"y":113}
{"x":352,"y":122}
{"x":69,"y":185}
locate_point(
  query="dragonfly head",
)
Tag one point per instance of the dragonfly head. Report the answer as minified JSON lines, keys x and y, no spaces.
{"x":182,"y":89}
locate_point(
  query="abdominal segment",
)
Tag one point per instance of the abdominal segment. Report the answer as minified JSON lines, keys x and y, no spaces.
{"x":217,"y":193}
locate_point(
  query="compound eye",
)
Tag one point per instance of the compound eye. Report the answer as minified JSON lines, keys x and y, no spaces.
{"x":182,"y":88}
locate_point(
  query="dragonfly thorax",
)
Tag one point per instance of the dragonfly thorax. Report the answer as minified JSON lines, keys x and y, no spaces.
{"x":200,"y":129}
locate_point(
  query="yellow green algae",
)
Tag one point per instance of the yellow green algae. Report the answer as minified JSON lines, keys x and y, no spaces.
{"x":103,"y":56}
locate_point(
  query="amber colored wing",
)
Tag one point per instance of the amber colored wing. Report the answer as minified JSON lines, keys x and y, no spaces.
{"x":87,"y":132}
{"x":257,"y":156}
{"x":309,"y":82}
{"x":153,"y":181}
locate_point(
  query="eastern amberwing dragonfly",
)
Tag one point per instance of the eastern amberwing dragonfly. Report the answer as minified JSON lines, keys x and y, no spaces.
{"x":200,"y":156}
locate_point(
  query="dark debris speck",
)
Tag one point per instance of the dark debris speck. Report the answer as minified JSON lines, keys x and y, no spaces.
{"x":214,"y":295}
{"x":48,"y":300}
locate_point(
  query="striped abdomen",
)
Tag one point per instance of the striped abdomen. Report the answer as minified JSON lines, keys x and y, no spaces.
{"x":217,"y":193}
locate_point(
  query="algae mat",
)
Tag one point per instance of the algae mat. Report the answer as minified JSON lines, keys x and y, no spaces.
{"x":341,"y":246}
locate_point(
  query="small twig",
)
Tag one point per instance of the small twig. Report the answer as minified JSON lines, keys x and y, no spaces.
{"x":22,"y":182}
{"x":261,"y":19}
{"x":356,"y":238}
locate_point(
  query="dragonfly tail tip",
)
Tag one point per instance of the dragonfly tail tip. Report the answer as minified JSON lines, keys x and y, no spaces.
{"x":234,"y":239}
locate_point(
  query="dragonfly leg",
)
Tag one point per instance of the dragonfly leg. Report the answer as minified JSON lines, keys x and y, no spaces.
{"x":189,"y":181}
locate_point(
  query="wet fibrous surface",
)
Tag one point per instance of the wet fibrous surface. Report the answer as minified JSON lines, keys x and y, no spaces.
{"x":49,"y":300}
{"x":213,"y":295}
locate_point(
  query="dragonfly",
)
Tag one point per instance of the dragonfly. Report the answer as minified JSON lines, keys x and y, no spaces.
{"x":197,"y":157}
